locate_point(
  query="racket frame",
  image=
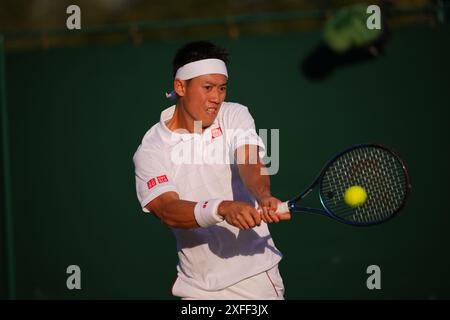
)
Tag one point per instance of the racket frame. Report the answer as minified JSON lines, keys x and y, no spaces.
{"x":292,"y":204}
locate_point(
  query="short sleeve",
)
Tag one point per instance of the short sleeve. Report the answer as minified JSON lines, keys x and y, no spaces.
{"x":243,"y":130}
{"x":152,"y":177}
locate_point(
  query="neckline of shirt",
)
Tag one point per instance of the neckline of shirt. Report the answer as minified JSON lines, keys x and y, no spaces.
{"x":170,"y":135}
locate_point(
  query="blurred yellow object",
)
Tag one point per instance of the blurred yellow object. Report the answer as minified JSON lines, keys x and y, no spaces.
{"x":355,"y":196}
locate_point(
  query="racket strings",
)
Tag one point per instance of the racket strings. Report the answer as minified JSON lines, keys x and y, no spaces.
{"x":378,"y":204}
{"x":378,"y":171}
{"x":378,"y":182}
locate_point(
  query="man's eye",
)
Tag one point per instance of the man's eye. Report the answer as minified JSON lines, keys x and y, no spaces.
{"x":223,"y":89}
{"x":207,"y":88}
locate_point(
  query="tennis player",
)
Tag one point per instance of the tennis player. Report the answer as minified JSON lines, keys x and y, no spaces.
{"x":199,"y":171}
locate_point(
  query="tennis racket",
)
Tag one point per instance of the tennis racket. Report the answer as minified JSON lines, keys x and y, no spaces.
{"x":375,"y":168}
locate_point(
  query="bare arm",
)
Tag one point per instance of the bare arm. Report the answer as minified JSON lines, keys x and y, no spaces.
{"x":177,"y":213}
{"x":173,"y":211}
{"x":254,"y":175}
{"x":250,"y":168}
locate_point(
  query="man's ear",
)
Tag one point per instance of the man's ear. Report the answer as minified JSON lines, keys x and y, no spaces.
{"x":180,"y":87}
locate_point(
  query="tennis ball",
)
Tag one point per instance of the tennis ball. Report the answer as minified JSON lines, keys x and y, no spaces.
{"x":355,"y":196}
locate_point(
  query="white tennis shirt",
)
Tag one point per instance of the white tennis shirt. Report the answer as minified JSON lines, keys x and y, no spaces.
{"x":201,"y":167}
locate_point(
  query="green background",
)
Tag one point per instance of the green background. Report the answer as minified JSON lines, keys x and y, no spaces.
{"x":76,"y":116}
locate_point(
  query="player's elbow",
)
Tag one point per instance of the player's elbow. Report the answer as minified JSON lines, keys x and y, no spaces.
{"x":160,"y":212}
{"x":163,"y":212}
{"x":166,"y":219}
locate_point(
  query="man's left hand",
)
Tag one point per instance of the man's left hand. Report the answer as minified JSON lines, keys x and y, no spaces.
{"x":268,"y":207}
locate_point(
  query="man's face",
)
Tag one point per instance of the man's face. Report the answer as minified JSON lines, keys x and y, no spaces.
{"x":204,"y":96}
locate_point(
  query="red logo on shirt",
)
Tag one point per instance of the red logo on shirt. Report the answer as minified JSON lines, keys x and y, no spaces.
{"x":154,"y":181}
{"x":204,"y":205}
{"x":151,"y":183}
{"x":217,"y":132}
{"x":162,"y":179}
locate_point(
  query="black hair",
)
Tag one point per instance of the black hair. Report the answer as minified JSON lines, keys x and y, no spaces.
{"x":198,"y":50}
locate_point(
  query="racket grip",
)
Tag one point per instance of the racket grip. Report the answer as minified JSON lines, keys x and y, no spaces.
{"x":282,"y":207}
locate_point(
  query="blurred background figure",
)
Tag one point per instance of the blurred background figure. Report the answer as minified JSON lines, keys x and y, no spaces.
{"x":346,"y":40}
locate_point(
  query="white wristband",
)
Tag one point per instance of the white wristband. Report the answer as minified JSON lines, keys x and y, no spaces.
{"x":206,"y":212}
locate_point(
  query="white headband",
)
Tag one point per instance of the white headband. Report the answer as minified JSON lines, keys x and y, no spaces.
{"x":199,"y":68}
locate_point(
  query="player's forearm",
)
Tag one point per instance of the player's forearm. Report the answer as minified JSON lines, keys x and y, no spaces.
{"x":256,"y":183}
{"x":179,"y":214}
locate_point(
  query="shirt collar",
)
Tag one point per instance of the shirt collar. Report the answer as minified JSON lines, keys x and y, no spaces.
{"x":175,"y":137}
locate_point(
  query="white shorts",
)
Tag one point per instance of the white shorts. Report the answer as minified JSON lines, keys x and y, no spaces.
{"x":267,"y":285}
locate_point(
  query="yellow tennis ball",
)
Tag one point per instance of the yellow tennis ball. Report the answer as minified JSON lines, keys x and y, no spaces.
{"x":355,"y":196}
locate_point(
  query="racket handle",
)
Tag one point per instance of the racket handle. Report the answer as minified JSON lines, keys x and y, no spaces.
{"x":282,"y":207}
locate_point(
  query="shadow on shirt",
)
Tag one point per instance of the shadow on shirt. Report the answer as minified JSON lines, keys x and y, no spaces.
{"x":225,"y":240}
{"x":224,"y":243}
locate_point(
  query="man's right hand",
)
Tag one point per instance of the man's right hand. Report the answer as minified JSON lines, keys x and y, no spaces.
{"x":240,"y":214}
